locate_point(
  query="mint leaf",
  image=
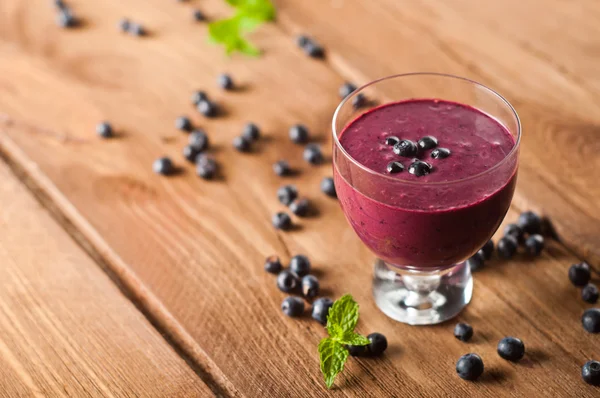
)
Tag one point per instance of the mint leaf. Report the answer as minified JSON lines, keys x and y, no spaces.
{"x":343,"y":316}
{"x":333,"y":356}
{"x":352,"y":338}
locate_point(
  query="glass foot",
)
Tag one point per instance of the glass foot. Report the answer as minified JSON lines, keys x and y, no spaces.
{"x":422,"y":298}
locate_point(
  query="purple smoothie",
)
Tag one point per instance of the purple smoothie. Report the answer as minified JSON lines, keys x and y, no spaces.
{"x":435,"y":220}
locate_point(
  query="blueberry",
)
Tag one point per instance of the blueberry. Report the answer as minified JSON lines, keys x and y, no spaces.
{"x":198,"y":97}
{"x":198,"y":140}
{"x":590,"y":372}
{"x":377,"y":344}
{"x":302,"y":40}
{"x":589,"y":293}
{"x":300,"y":265}
{"x":591,"y":320}
{"x":292,"y":306}
{"x":65,"y":18}
{"x":163,"y":166}
{"x":287,"y":281}
{"x":392,"y":140}
{"x":310,"y":286}
{"x":300,"y":207}
{"x":530,"y":222}
{"x":579,"y":274}
{"x":225,"y":81}
{"x":208,"y":108}
{"x":419,"y":168}
{"x":507,"y":246}
{"x":273,"y":265}
{"x":282,"y":221}
{"x":320,"y":309}
{"x":534,"y":244}
{"x":394,"y":167}
{"x":488,"y":249}
{"x":313,"y":49}
{"x":440,"y":153}
{"x":286,"y":194}
{"x":357,"y":350}
{"x":124,"y":25}
{"x":346,"y":89}
{"x":206,"y":167}
{"x":469,"y":367}
{"x":312,"y":154}
{"x":190,"y":153}
{"x":427,"y":142}
{"x":199,"y":16}
{"x":183,"y":123}
{"x":251,"y":132}
{"x":282,"y":168}
{"x":241,"y":143}
{"x":511,"y":349}
{"x":516,"y":231}
{"x":405,"y":148}
{"x":328,"y":187}
{"x":476,"y":262}
{"x":59,"y":4}
{"x":298,"y":134}
{"x":136,"y":29}
{"x":463,"y":331}
{"x":359,"y":101}
{"x":104,"y":130}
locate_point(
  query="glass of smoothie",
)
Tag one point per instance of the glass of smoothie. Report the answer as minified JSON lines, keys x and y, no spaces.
{"x":425,"y":177}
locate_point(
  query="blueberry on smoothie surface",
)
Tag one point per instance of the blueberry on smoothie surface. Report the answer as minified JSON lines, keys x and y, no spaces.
{"x":394,"y":167}
{"x":320,"y":309}
{"x":440,"y":153}
{"x":310,"y":286}
{"x":300,"y":265}
{"x":405,"y":148}
{"x":511,"y":349}
{"x":463,"y":331}
{"x":328,"y":187}
{"x":469,"y":367}
{"x":251,"y":132}
{"x":590,"y":373}
{"x":313,"y":154}
{"x":104,"y":130}
{"x":300,"y":207}
{"x":530,"y":222}
{"x":282,"y":168}
{"x":419,"y":168}
{"x":591,"y":320}
{"x":579,"y":274}
{"x":392,"y":140}
{"x":298,"y":134}
{"x":346,"y":89}
{"x":282,"y":221}
{"x":292,"y":306}
{"x":427,"y":142}
{"x":589,"y":293}
{"x":163,"y":166}
{"x":287,"y":194}
{"x":287,"y":281}
{"x":273,"y":264}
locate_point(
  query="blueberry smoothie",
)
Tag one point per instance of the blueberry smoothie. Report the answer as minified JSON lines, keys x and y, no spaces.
{"x":431,"y":185}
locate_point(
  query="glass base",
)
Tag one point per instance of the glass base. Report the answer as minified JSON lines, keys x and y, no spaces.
{"x":422,"y":298}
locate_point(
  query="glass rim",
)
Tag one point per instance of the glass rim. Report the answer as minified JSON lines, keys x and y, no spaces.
{"x":430,"y":183}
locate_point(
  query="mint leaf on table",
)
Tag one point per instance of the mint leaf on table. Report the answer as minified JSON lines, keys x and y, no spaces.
{"x":341,"y":321}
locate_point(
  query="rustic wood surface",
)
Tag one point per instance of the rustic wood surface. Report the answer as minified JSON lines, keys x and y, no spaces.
{"x":189,"y":253}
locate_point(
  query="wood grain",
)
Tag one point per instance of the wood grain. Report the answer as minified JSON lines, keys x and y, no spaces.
{"x":65,"y":329}
{"x":197,"y":247}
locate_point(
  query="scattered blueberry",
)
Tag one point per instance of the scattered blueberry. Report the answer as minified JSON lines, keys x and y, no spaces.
{"x":300,"y":265}
{"x":328,"y":187}
{"x":251,"y":132}
{"x":241,"y":143}
{"x":282,"y":221}
{"x":507,"y":246}
{"x":359,"y":101}
{"x":310,"y":286}
{"x":104,"y":130}
{"x":137,"y":29}
{"x":377,"y":344}
{"x":282,"y":168}
{"x":206,"y":167}
{"x":198,"y":140}
{"x":394,"y":167}
{"x":405,"y":148}
{"x":392,"y":140}
{"x":287,"y":281}
{"x":469,"y":367}
{"x":163,"y":166}
{"x":59,"y":4}
{"x":208,"y":108}
{"x":320,"y":309}
{"x":273,"y":265}
{"x":312,"y":154}
{"x":302,"y":40}
{"x":198,"y":97}
{"x":511,"y":349}
{"x":124,"y":25}
{"x":313,"y":49}
{"x":534,"y":244}
{"x":579,"y":274}
{"x":346,"y":89}
{"x":199,"y":16}
{"x":427,"y":142}
{"x":190,"y":153}
{"x":298,"y":134}
{"x":590,"y":372}
{"x":300,"y":207}
{"x":530,"y":222}
{"x":419,"y":168}
{"x":65,"y":18}
{"x":463,"y":331}
{"x":488,"y":249}
{"x":183,"y":123}
{"x":286,"y":194}
{"x":225,"y":81}
{"x":591,"y":320}
{"x":440,"y":153}
{"x":516,"y":231}
{"x":357,"y":350}
{"x":589,"y":293}
{"x":476,"y":262}
{"x":292,"y":306}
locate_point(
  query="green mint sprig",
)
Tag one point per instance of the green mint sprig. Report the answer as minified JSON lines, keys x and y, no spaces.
{"x":341,"y":321}
{"x":230,"y":32}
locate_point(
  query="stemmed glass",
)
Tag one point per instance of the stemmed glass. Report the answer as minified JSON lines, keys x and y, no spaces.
{"x":421,"y":276}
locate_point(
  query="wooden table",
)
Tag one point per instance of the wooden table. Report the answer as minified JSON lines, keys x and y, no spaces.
{"x":115,"y":281}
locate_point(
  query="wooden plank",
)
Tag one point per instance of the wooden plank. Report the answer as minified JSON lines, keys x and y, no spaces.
{"x":198,"y":247}
{"x":65,"y":329}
